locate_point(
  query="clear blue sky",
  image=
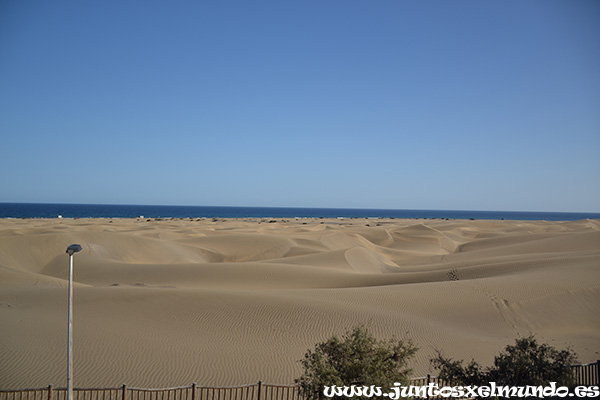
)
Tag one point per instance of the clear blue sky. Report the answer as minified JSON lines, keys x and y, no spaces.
{"x":468,"y":105}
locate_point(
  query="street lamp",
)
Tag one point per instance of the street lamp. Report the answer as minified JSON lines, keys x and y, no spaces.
{"x":72,"y":249}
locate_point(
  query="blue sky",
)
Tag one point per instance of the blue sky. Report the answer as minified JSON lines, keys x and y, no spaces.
{"x":468,"y":105}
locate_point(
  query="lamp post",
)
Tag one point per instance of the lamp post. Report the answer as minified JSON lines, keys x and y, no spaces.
{"x":72,"y":249}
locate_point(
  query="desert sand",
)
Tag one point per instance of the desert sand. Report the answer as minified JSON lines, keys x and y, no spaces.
{"x":161,"y":303}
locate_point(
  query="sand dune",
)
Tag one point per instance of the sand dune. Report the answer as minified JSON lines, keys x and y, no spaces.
{"x":166,"y":303}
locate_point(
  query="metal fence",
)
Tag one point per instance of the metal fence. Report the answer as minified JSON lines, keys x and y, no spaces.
{"x":584,"y":375}
{"x":257,"y":391}
{"x":587,"y":374}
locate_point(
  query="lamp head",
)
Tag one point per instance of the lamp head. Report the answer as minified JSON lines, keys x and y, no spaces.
{"x":72,"y":249}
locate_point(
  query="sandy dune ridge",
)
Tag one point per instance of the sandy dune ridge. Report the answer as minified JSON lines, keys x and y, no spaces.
{"x":219,"y":302}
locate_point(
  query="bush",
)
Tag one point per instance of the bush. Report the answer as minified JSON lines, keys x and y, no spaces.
{"x":525,"y":363}
{"x":357,"y":358}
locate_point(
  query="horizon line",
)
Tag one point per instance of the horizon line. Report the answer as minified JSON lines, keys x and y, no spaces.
{"x":303,"y":207}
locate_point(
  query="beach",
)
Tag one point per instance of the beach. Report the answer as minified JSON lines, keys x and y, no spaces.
{"x":168,"y":302}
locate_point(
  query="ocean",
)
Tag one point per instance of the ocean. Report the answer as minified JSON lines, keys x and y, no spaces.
{"x":35,"y":210}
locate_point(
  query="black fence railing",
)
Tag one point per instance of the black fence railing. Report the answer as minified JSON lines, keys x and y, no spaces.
{"x":584,"y":375}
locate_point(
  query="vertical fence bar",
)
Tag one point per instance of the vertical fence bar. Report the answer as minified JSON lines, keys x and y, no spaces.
{"x":587,"y":374}
{"x":50,"y":392}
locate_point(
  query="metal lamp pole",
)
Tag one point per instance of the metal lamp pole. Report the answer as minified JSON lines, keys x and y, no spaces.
{"x":72,"y":249}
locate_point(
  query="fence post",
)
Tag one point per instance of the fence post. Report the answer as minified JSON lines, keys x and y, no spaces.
{"x":124,"y":392}
{"x":597,"y":373}
{"x":50,"y":392}
{"x":428,"y":381}
{"x":259,"y":389}
{"x":194,"y":391}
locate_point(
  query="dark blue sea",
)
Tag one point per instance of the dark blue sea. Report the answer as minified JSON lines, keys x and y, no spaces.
{"x":34,"y":210}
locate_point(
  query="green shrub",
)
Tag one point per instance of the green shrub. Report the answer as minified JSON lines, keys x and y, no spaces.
{"x":356,"y":358}
{"x":525,"y":363}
